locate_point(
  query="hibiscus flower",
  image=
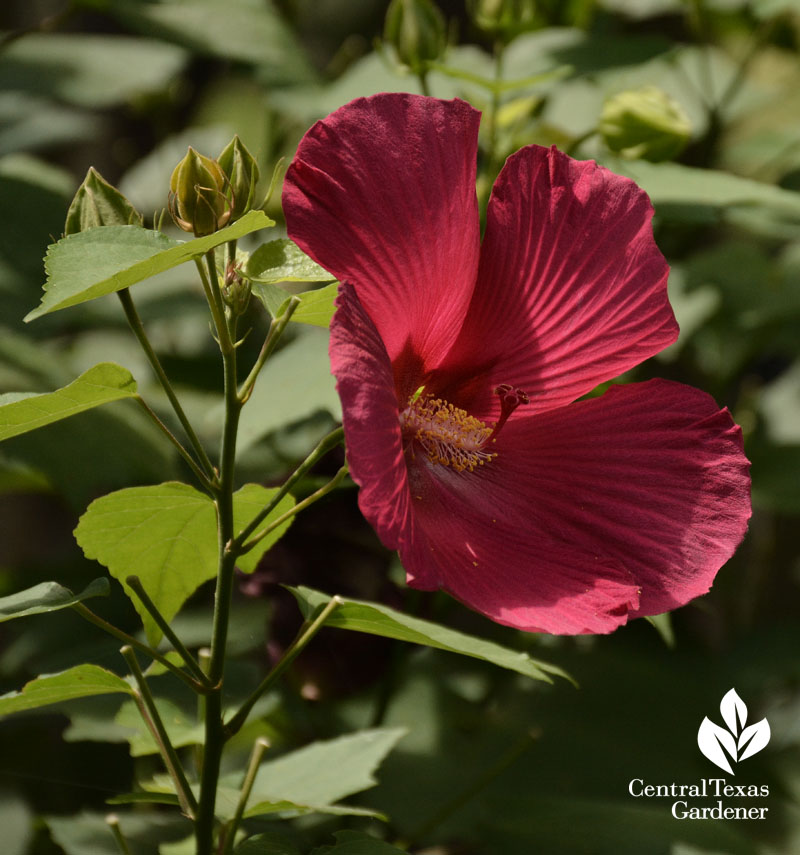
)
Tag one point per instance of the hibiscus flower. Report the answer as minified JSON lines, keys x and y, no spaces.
{"x":459,"y":365}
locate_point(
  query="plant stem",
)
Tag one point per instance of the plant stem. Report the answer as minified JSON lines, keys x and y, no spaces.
{"x":300,"y":506}
{"x":274,"y":334}
{"x":191,"y":663}
{"x":307,"y":631}
{"x":214,"y":735}
{"x":112,"y":821}
{"x":147,"y":707}
{"x":259,"y":748}
{"x":323,"y":447}
{"x":135,"y":323}
{"x":198,"y":472}
{"x":89,"y":615}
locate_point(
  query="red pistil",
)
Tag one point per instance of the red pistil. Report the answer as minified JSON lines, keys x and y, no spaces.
{"x":510,"y":399}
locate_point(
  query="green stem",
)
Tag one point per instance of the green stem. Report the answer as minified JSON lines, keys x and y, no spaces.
{"x":198,"y":472}
{"x":273,"y":336}
{"x":259,"y":748}
{"x":300,"y":506}
{"x":135,"y":323}
{"x":324,"y":446}
{"x":307,"y":631}
{"x":112,"y":821}
{"x":136,"y":586}
{"x":422,"y":76}
{"x":88,"y":614}
{"x":147,"y":707}
{"x":214,"y":735}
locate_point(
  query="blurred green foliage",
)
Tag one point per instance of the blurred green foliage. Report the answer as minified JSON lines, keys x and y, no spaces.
{"x":492,"y":763}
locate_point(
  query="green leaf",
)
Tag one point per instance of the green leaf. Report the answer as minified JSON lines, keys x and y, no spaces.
{"x":23,"y":412}
{"x":316,"y":307}
{"x":167,"y":536}
{"x":89,"y":70}
{"x":247,"y":502}
{"x":48,"y":597}
{"x":381,"y":620}
{"x":181,"y":728}
{"x":357,"y":843}
{"x":88,"y":833}
{"x":675,"y":186}
{"x":103,"y":260}
{"x":144,"y":798}
{"x":266,"y":844}
{"x":283,"y":261}
{"x":237,"y":30}
{"x":16,"y":821}
{"x":324,"y":772}
{"x":80,"y":681}
{"x":295,"y":383}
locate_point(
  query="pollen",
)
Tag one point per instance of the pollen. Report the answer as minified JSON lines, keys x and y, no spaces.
{"x":447,"y":434}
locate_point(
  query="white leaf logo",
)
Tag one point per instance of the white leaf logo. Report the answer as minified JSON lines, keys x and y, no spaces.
{"x":724,"y":747}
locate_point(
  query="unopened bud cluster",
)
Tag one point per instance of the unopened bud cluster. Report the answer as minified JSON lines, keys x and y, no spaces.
{"x":206,"y":194}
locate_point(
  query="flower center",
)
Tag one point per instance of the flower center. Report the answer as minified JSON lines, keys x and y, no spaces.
{"x":449,"y":435}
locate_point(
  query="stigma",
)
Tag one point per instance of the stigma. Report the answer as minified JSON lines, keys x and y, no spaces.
{"x":450,"y":436}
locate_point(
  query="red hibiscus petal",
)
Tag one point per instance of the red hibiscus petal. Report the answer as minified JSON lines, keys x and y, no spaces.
{"x":382,"y":194}
{"x":518,"y":577}
{"x":572,"y":289}
{"x":371,"y":424}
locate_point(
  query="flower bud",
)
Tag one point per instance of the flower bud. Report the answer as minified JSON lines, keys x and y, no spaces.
{"x":241,"y":170}
{"x":97,"y":203}
{"x":417,"y":31}
{"x":504,"y":18}
{"x":644,"y":123}
{"x":236,"y":290}
{"x":197,"y":195}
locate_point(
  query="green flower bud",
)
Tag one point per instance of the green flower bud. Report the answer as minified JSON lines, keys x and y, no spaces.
{"x":236,"y":290}
{"x":417,"y":31}
{"x":241,"y":170}
{"x":504,"y":18}
{"x":197,"y":195}
{"x":97,"y":203}
{"x":644,"y":123}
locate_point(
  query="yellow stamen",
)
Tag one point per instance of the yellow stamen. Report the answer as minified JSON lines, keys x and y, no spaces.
{"x":447,"y":434}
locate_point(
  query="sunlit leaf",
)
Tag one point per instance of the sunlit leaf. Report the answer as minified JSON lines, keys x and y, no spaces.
{"x":23,"y":412}
{"x":381,"y":620}
{"x":80,"y":681}
{"x":103,"y":260}
{"x":167,"y":536}
{"x":316,"y":307}
{"x":283,"y":261}
{"x":48,"y":597}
